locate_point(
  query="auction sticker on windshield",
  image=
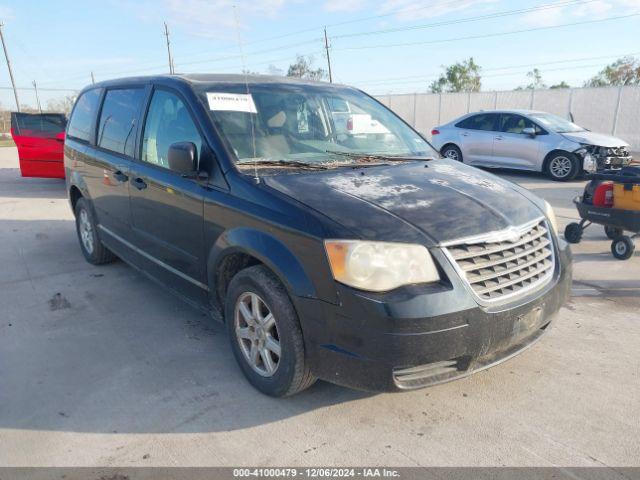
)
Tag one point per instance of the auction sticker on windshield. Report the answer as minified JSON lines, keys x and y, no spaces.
{"x":231,"y":102}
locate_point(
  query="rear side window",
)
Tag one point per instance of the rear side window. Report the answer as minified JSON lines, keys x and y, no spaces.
{"x":83,"y":115}
{"x":485,"y":121}
{"x":45,"y":125}
{"x":117,"y":125}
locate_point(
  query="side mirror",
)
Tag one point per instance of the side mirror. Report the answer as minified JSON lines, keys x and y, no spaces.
{"x":529,"y":131}
{"x":60,"y":137}
{"x":182,"y":158}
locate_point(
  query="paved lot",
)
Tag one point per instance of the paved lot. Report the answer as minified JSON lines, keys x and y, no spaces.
{"x":100,"y":367}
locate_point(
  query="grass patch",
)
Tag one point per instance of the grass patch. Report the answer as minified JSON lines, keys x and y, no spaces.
{"x":6,"y":142}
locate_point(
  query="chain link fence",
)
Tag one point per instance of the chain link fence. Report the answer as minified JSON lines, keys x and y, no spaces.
{"x":611,"y":110}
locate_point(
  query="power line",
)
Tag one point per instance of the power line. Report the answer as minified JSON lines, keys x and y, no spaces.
{"x":488,"y":35}
{"x":467,"y":19}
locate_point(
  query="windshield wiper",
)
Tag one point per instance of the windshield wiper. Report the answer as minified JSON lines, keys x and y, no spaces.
{"x":282,"y":163}
{"x":366,"y":157}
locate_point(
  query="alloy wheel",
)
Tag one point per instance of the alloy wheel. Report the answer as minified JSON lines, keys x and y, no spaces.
{"x":86,"y":231}
{"x":257,"y":334}
{"x":452,"y":154}
{"x":560,"y":167}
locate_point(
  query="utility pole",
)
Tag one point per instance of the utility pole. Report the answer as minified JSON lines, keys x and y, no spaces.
{"x":326,"y":47}
{"x":35,"y":87}
{"x":93,"y":79}
{"x":166,"y":34}
{"x":6,"y":55}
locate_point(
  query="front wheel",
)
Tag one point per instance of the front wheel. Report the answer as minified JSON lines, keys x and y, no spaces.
{"x":563,"y":167}
{"x":573,"y":233}
{"x":623,"y":248}
{"x":265,"y":333}
{"x":452,"y":152}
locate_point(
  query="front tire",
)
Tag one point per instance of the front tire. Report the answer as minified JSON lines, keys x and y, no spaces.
{"x":452,"y":152}
{"x":563,"y":166}
{"x":573,"y":233}
{"x":265,"y":333}
{"x":87,"y":229}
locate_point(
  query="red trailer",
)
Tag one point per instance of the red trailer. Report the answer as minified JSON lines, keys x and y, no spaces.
{"x":39,"y":138}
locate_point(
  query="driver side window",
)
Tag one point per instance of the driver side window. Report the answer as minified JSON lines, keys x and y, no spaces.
{"x":168,"y":121}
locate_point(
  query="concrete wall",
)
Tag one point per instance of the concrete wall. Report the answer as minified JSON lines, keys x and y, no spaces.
{"x":612,"y":110}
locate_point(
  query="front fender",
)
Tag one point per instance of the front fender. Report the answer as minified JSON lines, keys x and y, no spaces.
{"x":268,"y":250}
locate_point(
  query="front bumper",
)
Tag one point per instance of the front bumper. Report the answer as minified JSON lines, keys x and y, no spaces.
{"x":422,"y":336}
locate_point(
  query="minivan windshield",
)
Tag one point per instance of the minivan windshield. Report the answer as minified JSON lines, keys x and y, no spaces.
{"x":286,"y":124}
{"x":556,"y":124}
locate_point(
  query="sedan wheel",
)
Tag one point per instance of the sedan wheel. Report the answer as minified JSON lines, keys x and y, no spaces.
{"x":257,"y":334}
{"x":562,"y":167}
{"x":452,"y":152}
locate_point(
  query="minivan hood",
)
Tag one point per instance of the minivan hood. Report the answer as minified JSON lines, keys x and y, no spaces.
{"x":597,"y":139}
{"x":441,"y":200}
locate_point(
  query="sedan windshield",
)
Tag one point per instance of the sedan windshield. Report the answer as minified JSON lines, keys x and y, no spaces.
{"x":308,"y":124}
{"x":555,"y":123}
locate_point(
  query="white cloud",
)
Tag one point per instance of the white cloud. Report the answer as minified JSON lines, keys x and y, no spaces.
{"x":591,"y":10}
{"x":210,"y":18}
{"x":407,"y":10}
{"x":344,"y":5}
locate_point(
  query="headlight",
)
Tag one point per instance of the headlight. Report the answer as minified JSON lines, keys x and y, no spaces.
{"x":379,"y":266}
{"x":589,"y":164}
{"x":551,"y":216}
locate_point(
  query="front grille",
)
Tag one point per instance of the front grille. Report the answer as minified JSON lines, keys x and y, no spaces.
{"x":507,"y":263}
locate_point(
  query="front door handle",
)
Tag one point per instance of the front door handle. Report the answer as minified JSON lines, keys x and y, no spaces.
{"x":139,"y":183}
{"x":499,"y":138}
{"x":119,"y":176}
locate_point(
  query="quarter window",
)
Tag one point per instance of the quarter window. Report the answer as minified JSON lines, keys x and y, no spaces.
{"x":117,"y":126}
{"x":485,"y":121}
{"x":83,"y":115}
{"x":168,"y":121}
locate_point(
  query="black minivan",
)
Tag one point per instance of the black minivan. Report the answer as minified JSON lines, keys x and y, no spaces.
{"x":326,"y":233}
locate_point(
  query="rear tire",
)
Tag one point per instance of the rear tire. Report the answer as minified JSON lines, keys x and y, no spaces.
{"x":613,"y":232}
{"x":622,"y":248}
{"x":573,"y":233}
{"x":259,"y":331}
{"x":563,"y":166}
{"x":453,"y":153}
{"x":87,"y":229}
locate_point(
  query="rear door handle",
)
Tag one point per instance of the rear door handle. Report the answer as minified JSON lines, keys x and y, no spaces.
{"x":119,"y":176}
{"x":499,"y":138}
{"x":139,"y":183}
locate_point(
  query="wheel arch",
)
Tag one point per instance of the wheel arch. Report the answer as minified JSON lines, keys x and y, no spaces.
{"x":244,"y":247}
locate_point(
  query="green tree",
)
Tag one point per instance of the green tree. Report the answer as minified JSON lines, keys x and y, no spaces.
{"x":562,"y":84}
{"x":459,"y":77}
{"x":303,"y":68}
{"x":624,"y":71}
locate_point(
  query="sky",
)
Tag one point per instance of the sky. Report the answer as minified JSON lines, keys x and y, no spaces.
{"x":383,"y":47}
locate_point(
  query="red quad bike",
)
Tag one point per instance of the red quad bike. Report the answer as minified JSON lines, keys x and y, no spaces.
{"x":39,"y":138}
{"x":600,"y":210}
